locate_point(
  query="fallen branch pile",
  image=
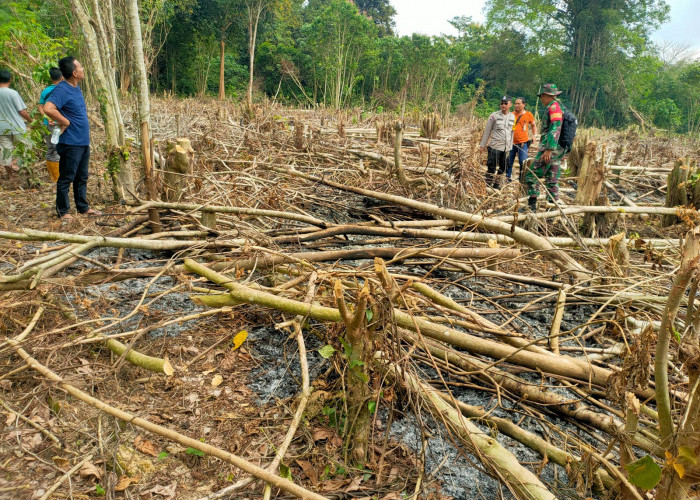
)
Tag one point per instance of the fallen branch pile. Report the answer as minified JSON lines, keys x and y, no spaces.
{"x":423,"y":289}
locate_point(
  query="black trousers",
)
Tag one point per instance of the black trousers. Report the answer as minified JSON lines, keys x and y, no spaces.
{"x":495,"y":166}
{"x":73,"y":169}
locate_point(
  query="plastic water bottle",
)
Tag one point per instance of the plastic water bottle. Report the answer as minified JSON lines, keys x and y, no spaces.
{"x":55,"y":135}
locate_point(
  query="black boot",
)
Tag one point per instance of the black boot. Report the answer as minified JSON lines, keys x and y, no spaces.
{"x":532,"y":203}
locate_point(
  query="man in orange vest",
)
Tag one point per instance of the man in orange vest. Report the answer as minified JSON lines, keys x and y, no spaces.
{"x":521,"y":138}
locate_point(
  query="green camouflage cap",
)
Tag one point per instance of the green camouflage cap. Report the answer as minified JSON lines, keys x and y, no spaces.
{"x":549,"y":89}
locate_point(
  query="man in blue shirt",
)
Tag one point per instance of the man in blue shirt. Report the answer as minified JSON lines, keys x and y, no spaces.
{"x":51,"y":154}
{"x":66,"y":106}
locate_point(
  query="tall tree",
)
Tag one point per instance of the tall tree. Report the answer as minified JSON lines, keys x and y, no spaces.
{"x":381,"y":12}
{"x":597,"y":36}
{"x":144,"y":106}
{"x":102,"y":68}
{"x":336,"y":37}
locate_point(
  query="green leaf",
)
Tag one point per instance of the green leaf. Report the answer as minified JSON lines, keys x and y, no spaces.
{"x":356,"y":362}
{"x":677,"y":334}
{"x":644,"y":473}
{"x":687,"y":454}
{"x":195,"y":452}
{"x":100,"y":491}
{"x":285,"y":472}
{"x":369,"y":315}
{"x":326,"y":351}
{"x":162,"y":455}
{"x":372,"y":407}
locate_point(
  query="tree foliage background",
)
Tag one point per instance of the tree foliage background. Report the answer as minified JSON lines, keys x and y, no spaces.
{"x":339,"y":53}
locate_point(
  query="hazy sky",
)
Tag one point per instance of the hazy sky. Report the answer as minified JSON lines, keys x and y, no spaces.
{"x":430,"y":18}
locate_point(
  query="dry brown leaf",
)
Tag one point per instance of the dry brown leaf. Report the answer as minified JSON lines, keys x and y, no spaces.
{"x":229,"y":361}
{"x":126,"y":481}
{"x":216,"y":380}
{"x":166,"y":491}
{"x":334,"y":484}
{"x":10,"y":419}
{"x":90,"y":470}
{"x":322,"y":433}
{"x":32,"y":441}
{"x":354,"y":485}
{"x":61,"y":463}
{"x":391,"y":496}
{"x":309,"y":470}
{"x":145,"y":446}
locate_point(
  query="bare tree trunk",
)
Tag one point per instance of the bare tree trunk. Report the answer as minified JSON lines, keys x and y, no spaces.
{"x":222,"y":51}
{"x":144,"y":108}
{"x":120,"y":172}
{"x":255,"y":9}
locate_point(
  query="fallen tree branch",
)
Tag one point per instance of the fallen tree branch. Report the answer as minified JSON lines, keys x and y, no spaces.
{"x":561,"y":259}
{"x":549,"y":363}
{"x":499,"y":462}
{"x":227,"y":457}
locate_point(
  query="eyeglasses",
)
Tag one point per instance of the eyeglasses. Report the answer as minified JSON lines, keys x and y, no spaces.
{"x":505,"y":103}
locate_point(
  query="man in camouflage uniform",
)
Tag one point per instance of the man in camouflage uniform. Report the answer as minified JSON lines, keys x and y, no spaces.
{"x":549,"y":154}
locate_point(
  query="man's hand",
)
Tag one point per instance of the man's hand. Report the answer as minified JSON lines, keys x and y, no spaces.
{"x":482,"y":149}
{"x":547,"y":156}
{"x":64,"y":126}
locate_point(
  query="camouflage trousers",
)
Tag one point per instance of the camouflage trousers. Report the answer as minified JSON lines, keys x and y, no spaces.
{"x":547,"y":171}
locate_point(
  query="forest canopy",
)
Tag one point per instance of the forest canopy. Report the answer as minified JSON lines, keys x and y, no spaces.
{"x":339,"y":53}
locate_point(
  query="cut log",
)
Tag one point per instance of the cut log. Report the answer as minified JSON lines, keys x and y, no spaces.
{"x":178,"y":166}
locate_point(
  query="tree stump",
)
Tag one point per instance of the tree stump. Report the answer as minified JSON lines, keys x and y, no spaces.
{"x":619,"y":255}
{"x":677,"y":190}
{"x":178,"y":166}
{"x":383,"y":131}
{"x":341,"y":129}
{"x":398,"y":165}
{"x":358,"y":354}
{"x":577,"y":153}
{"x":590,"y":184}
{"x":424,"y":150}
{"x":299,"y":135}
{"x":430,"y":126}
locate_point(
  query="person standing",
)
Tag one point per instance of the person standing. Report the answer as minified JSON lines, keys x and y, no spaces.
{"x":51,"y":154}
{"x":13,"y":122}
{"x":549,"y":154}
{"x":498,"y":135}
{"x":66,"y":106}
{"x":521,"y":138}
